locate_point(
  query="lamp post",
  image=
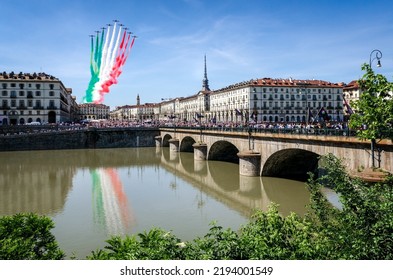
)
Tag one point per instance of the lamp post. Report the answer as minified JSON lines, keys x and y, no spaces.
{"x":377,"y":56}
{"x":200,"y":116}
{"x":172,"y":117}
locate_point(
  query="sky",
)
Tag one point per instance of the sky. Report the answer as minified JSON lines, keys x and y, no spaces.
{"x":242,"y":40}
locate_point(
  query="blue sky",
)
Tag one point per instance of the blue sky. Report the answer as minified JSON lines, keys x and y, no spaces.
{"x":242,"y":39}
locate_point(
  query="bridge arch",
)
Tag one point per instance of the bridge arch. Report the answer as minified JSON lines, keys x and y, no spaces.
{"x":291,"y":164}
{"x":165,"y":140}
{"x":186,"y":145}
{"x":223,"y":151}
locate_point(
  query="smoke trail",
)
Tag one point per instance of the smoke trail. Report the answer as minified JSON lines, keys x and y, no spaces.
{"x":108,"y":54}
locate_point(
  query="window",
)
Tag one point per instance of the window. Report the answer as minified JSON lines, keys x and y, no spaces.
{"x":13,"y":94}
{"x":37,"y":86}
{"x":21,"y":93}
{"x":38,"y":93}
{"x":4,"y":93}
{"x":51,"y":86}
{"x":4,"y":85}
{"x":13,"y":85}
{"x":51,"y":93}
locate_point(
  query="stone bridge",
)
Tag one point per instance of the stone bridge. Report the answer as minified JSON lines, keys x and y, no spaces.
{"x":282,"y":155}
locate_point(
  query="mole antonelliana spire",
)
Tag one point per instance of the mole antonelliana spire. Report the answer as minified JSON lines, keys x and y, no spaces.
{"x":205,"y":83}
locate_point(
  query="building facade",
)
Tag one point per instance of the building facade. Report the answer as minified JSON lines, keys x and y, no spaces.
{"x":266,"y":100}
{"x":37,"y":97}
{"x":253,"y":101}
{"x":258,"y":100}
{"x":92,"y":111}
{"x":278,"y":100}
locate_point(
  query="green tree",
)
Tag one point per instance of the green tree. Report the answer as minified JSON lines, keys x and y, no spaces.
{"x":363,"y":227}
{"x":28,"y":237}
{"x":373,"y":117}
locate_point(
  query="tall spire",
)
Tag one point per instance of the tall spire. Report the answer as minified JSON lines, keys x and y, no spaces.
{"x":205,"y":83}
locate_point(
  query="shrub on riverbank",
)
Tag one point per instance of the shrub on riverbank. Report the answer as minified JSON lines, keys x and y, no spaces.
{"x":28,"y":237}
{"x":361,"y":229}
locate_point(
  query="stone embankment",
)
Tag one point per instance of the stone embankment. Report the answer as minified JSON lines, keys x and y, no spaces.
{"x":91,"y":138}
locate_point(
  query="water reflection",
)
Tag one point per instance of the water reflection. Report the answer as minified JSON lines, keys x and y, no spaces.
{"x":33,"y":182}
{"x":110,"y":204}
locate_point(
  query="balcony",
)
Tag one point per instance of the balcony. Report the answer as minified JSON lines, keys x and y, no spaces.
{"x":38,"y":107}
{"x":51,"y":107}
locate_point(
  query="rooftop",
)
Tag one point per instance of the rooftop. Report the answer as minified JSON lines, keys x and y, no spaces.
{"x":27,"y":76}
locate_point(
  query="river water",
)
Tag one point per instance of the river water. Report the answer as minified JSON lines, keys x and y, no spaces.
{"x":93,"y":194}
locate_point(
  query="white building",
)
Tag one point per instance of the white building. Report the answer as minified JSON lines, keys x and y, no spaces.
{"x":36,"y":97}
{"x":92,"y":111}
{"x":258,"y":100}
{"x":278,"y":100}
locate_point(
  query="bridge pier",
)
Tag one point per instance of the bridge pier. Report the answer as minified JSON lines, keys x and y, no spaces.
{"x":200,"y":151}
{"x":249,"y":163}
{"x":158,"y":141}
{"x":173,"y":145}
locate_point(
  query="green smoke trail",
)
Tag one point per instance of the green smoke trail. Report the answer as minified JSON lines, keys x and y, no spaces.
{"x":98,"y":204}
{"x":95,"y":64}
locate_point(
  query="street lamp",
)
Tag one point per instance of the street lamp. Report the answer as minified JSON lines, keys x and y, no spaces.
{"x":377,"y":55}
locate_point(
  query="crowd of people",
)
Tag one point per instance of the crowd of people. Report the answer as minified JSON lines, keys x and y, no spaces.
{"x":252,"y":126}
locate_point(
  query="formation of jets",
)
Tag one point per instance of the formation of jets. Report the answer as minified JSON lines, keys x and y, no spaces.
{"x":116,"y":21}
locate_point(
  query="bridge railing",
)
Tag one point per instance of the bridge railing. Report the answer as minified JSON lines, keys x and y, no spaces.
{"x":298,"y":131}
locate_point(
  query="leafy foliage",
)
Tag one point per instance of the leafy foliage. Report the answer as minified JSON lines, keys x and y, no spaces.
{"x":363,"y":228}
{"x":374,"y":108}
{"x":155,"y":244}
{"x":28,"y":237}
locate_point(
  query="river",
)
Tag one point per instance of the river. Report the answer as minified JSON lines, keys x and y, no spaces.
{"x":93,"y":194}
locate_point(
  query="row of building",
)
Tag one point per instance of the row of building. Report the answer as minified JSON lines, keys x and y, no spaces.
{"x":39,"y":97}
{"x":256,"y":100}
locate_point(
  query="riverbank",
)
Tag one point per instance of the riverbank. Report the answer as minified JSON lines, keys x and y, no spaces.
{"x":370,"y":175}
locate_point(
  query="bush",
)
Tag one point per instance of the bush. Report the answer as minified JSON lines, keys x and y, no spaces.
{"x":363,"y":228}
{"x":28,"y":237}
